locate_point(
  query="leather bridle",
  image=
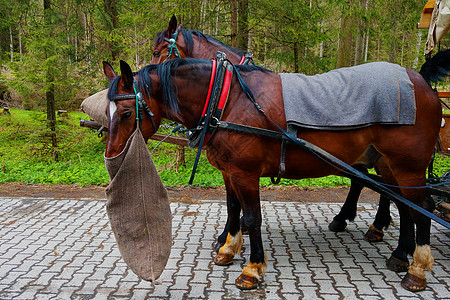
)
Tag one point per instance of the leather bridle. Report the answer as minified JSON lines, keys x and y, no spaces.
{"x":141,"y":105}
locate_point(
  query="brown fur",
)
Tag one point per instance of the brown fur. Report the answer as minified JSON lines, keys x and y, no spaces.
{"x":244,"y":158}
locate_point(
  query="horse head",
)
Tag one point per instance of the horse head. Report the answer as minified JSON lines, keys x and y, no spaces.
{"x":124,"y":92}
{"x":170,"y":43}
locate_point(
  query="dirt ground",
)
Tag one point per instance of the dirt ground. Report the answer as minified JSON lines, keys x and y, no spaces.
{"x":187,"y":195}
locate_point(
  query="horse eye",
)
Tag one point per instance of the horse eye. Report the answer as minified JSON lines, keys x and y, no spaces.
{"x":126,"y":115}
{"x":156,"y":53}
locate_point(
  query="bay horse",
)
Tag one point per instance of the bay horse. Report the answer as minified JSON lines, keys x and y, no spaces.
{"x":195,"y":44}
{"x":176,"y":90}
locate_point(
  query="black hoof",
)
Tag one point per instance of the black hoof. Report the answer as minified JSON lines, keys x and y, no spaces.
{"x":337,"y":226}
{"x":397,"y":265}
{"x":413,"y":283}
{"x":218,"y":246}
{"x":374,"y":235}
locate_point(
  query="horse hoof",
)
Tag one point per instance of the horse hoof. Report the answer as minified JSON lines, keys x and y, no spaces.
{"x":397,"y":265}
{"x":413,"y":283}
{"x":223,"y":259}
{"x":218,"y":246}
{"x":373,"y":235}
{"x":245,"y":282}
{"x":337,"y":226}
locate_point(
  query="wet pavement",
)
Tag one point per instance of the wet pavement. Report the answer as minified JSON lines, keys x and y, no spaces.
{"x":65,"y":249}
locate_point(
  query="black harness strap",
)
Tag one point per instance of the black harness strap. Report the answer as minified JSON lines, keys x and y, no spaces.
{"x":141,"y":105}
{"x":204,"y":123}
{"x":349,"y":171}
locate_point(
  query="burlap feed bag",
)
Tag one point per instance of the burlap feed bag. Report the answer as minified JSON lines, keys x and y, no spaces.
{"x":95,"y":106}
{"x":138,"y":209}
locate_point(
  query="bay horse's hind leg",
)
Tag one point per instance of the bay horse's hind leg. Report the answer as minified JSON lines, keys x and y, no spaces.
{"x":413,"y":175}
{"x":348,"y":210}
{"x":383,"y":217}
{"x":415,"y":279}
{"x":382,"y":220}
{"x":398,"y":261}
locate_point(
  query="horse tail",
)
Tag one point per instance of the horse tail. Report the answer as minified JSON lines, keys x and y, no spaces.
{"x":437,"y":67}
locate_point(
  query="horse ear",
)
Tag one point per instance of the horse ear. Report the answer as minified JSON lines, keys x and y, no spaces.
{"x":108,"y":70}
{"x":172,"y":26}
{"x":126,"y":75}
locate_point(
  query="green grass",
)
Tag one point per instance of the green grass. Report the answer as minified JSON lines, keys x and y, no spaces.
{"x":25,"y":156}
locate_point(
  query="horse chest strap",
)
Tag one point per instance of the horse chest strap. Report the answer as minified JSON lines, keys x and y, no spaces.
{"x":216,"y":100}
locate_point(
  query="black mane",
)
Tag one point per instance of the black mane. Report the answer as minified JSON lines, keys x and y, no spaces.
{"x":188,"y":37}
{"x":165,"y":72}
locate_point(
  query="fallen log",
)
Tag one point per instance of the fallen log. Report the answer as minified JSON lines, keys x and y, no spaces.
{"x":175,"y":140}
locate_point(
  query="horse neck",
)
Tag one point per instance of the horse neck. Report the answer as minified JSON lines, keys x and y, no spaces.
{"x":208,"y":50}
{"x":191,"y":93}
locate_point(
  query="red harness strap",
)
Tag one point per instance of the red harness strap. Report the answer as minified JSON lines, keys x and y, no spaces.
{"x":225,"y":91}
{"x":211,"y":82}
{"x":223,"y":96}
{"x":226,"y":86}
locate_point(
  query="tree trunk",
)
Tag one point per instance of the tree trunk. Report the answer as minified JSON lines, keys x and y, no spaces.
{"x":366,"y":51}
{"x":359,"y":40}
{"x":111,"y":9}
{"x":296,"y":67}
{"x":20,"y":44}
{"x":50,"y":89}
{"x":234,"y":22}
{"x":11,"y":47}
{"x":242,"y":36}
{"x":344,"y":55}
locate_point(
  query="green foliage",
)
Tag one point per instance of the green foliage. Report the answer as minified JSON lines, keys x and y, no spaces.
{"x":24,"y":152}
{"x":24,"y":157}
{"x":63,"y":47}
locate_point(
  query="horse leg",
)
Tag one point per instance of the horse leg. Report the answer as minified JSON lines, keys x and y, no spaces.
{"x":223,"y":236}
{"x":230,"y":240}
{"x":382,"y":220}
{"x":348,"y":210}
{"x":383,"y":217}
{"x":398,"y":261}
{"x":412,"y":175}
{"x":246,"y":187}
{"x":416,"y":280}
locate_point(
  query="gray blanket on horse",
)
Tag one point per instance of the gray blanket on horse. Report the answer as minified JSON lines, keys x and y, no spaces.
{"x":347,"y":98}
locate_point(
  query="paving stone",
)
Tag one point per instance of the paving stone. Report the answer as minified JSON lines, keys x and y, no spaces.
{"x":52,"y":253}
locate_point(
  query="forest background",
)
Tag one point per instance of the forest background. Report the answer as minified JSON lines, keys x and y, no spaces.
{"x":51,"y":50}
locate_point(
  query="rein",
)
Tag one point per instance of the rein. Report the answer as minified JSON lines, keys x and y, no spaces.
{"x":351,"y":172}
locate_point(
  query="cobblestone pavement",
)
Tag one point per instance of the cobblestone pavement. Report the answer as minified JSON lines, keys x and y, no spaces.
{"x":64,"y":249}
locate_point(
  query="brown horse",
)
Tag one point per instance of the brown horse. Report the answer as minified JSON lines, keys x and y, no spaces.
{"x":195,"y":44}
{"x":176,"y":90}
{"x":189,"y":43}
